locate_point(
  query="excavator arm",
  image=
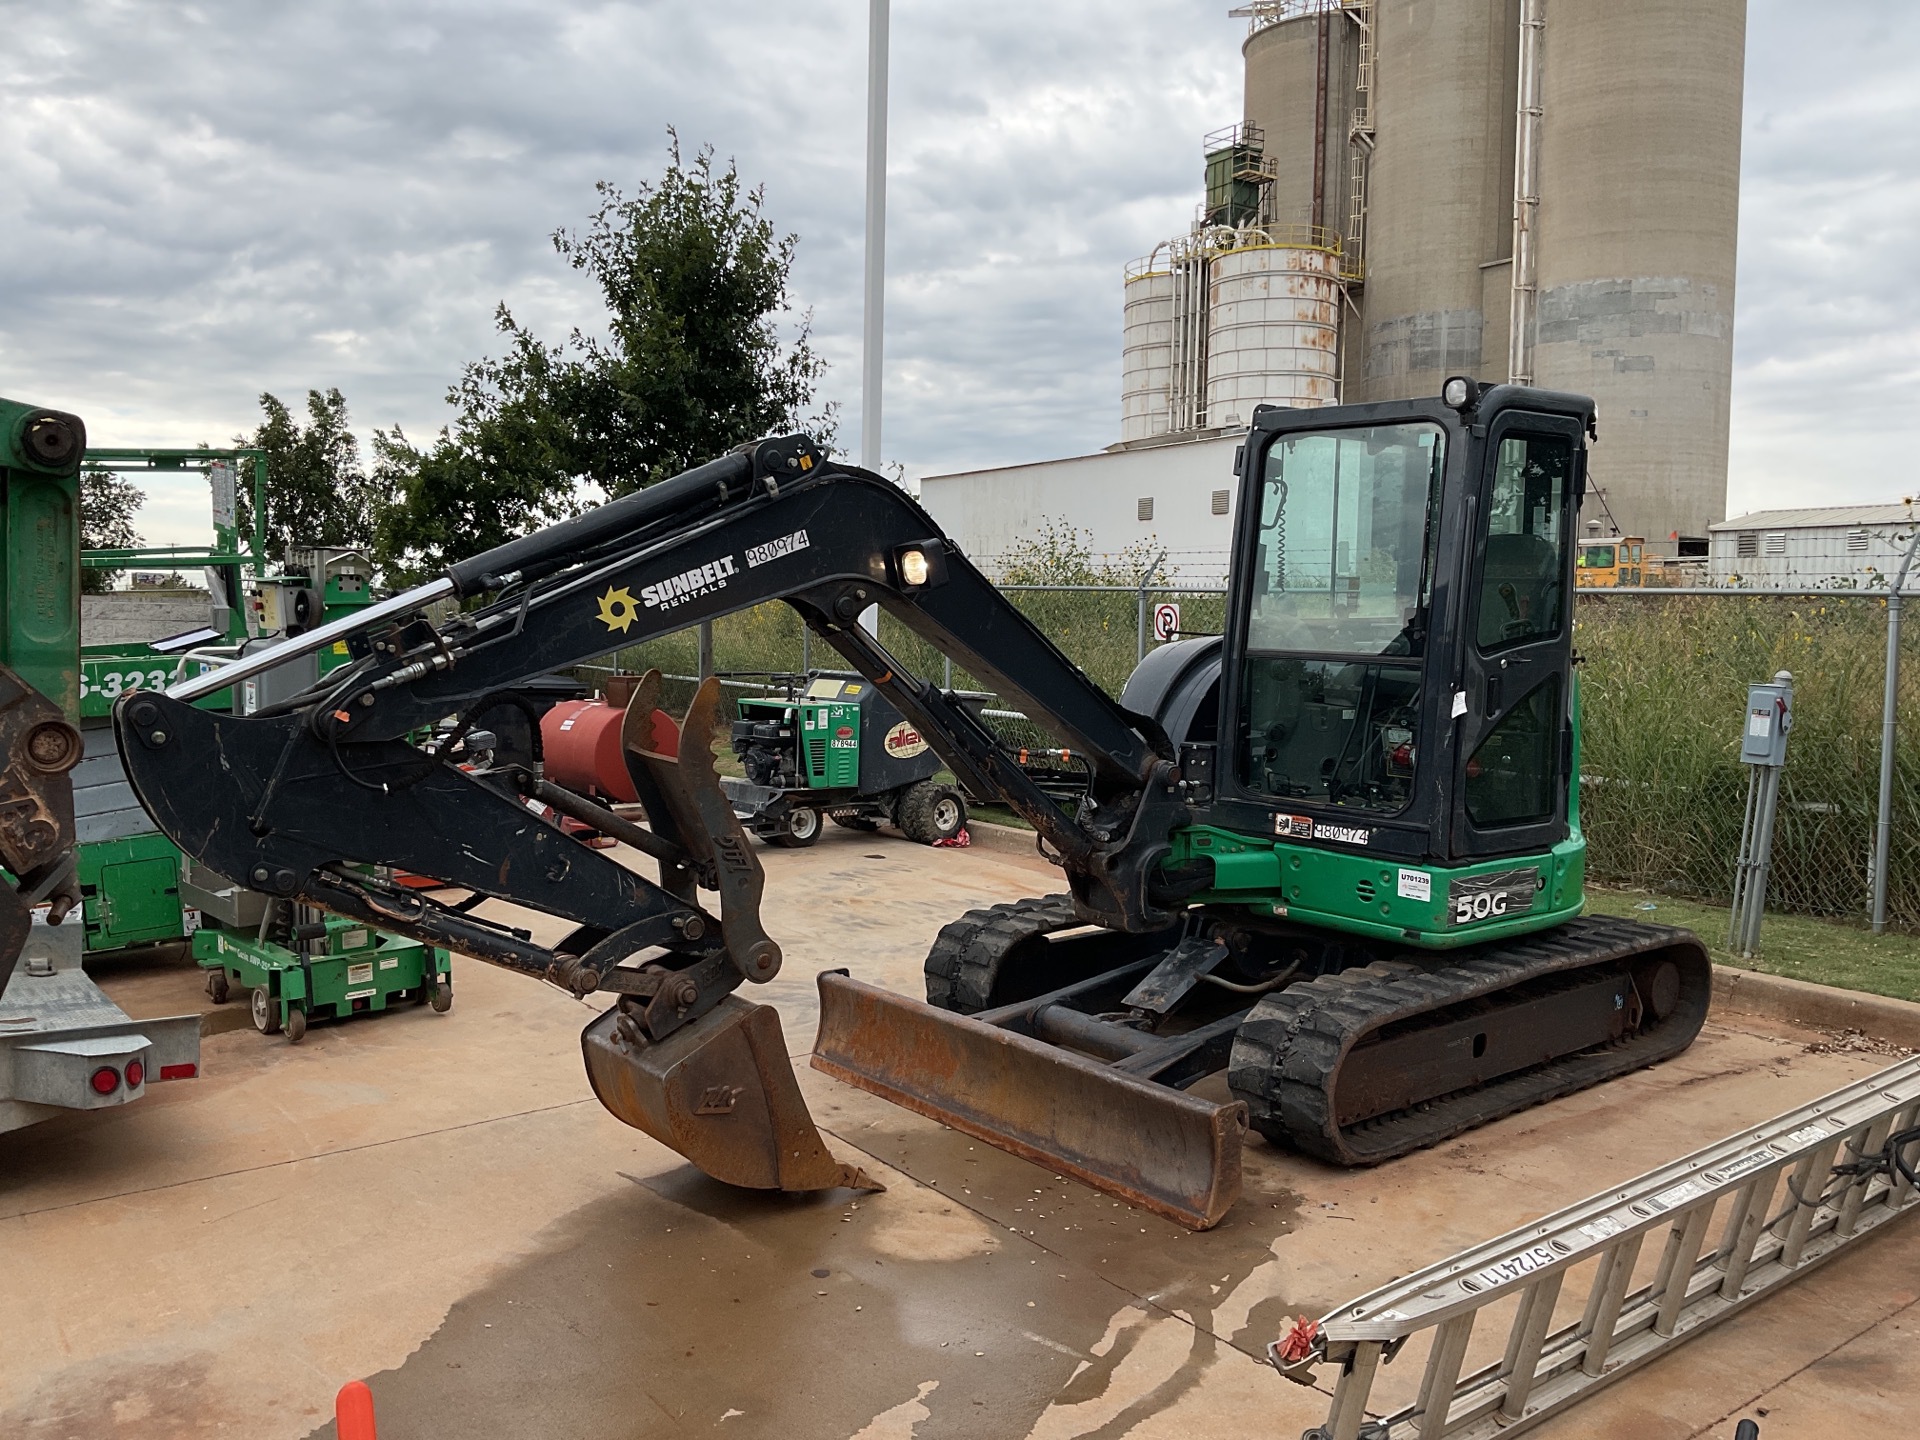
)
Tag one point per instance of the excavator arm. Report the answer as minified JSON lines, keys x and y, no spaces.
{"x":297,"y":800}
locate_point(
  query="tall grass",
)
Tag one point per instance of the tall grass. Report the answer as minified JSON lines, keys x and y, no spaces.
{"x":1663,"y":685}
{"x":1663,"y":682}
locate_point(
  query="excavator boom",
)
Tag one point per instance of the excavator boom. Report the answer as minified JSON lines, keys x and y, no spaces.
{"x":299,"y":799}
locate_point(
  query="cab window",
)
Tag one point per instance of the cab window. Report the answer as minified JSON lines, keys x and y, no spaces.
{"x":1522,"y":595}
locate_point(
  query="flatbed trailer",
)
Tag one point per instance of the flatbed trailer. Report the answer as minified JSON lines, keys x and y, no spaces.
{"x":65,"y":1046}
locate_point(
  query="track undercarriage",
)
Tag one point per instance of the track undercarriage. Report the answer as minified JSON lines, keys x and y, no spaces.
{"x":1345,"y":1053}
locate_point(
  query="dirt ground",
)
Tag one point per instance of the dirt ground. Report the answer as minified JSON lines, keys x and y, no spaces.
{"x":437,"y":1204}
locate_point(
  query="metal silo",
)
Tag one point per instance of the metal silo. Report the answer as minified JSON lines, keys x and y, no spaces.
{"x":1639,"y":206}
{"x":1273,"y":314}
{"x":1146,"y":348}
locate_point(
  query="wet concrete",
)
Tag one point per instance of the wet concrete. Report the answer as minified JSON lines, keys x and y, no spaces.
{"x":436,"y":1204}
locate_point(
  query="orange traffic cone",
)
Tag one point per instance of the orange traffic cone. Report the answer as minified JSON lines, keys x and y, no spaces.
{"x":353,"y":1411}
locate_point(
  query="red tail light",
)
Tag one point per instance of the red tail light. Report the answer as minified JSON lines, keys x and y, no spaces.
{"x":136,"y":1073}
{"x":105,"y":1080}
{"x":179,"y":1072}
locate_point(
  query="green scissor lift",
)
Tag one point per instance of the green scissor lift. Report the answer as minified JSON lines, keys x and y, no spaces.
{"x":296,"y":963}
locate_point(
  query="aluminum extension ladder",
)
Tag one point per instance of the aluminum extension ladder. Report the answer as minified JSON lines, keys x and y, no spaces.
{"x":1787,"y":1206}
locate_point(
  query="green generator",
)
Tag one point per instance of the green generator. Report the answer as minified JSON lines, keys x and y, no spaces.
{"x":833,"y":748}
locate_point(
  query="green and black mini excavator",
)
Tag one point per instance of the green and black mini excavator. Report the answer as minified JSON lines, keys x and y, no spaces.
{"x":1334,"y":853}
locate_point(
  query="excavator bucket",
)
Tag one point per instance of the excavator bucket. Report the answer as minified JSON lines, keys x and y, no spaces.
{"x":721,"y":1092}
{"x":1172,"y":1153}
{"x":720,"y":1089}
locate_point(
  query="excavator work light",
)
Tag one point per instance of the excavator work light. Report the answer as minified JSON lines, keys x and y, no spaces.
{"x":1459,"y":393}
{"x":919,"y":565}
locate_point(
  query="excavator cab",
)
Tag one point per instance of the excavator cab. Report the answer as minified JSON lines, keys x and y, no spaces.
{"x":1397,"y":663}
{"x":1380,"y":862}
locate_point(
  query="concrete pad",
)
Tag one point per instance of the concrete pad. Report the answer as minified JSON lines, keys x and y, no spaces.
{"x":438,"y":1204}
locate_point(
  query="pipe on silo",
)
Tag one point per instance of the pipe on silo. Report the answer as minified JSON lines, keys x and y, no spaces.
{"x":1526,"y":195}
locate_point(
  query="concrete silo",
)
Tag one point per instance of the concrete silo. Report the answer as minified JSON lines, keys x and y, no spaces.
{"x":1439,"y":208}
{"x":1639,"y":210}
{"x":1300,"y":82}
{"x":1633,"y":208}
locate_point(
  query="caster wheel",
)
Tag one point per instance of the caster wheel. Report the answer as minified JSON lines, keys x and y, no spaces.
{"x":266,"y":1011}
{"x":296,"y":1026}
{"x":217,"y":986}
{"x":802,"y":829}
{"x":442,"y":999}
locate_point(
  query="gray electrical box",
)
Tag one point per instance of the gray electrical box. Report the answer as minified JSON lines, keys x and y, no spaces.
{"x":282,"y":682}
{"x":1763,"y":741}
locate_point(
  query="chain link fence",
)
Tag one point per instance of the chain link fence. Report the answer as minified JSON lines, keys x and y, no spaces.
{"x":1664,"y":678}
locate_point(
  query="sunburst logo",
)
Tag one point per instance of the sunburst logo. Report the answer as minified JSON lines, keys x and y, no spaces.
{"x":618,"y":609}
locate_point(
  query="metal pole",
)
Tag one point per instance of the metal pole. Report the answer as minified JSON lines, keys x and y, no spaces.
{"x":1140,"y":647}
{"x":873,"y":322}
{"x":706,"y":648}
{"x":1762,"y":859}
{"x":1526,"y":195}
{"x":1883,"y":824}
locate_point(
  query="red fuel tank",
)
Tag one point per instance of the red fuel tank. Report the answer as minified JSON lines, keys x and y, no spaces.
{"x":582,"y":743}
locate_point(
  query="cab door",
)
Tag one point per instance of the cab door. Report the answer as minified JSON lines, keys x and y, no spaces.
{"x":1513,"y":746}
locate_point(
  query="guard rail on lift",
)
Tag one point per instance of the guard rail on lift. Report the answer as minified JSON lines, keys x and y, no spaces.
{"x":1765,"y":1239}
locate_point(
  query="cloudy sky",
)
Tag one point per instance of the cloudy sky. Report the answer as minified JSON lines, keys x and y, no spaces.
{"x":200,"y":202}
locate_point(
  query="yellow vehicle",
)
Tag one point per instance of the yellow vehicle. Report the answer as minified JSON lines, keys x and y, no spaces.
{"x":1606,"y":563}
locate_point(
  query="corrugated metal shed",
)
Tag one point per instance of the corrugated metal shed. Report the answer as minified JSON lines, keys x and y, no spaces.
{"x":1824,"y":546}
{"x":1819,"y":516}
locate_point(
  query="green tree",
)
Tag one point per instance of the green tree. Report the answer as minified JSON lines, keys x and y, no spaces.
{"x":108,"y":503}
{"x":691,"y":363}
{"x":317,"y":492}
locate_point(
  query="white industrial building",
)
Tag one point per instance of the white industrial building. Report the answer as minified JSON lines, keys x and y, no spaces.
{"x":1842,"y":546}
{"x":1178,"y":495}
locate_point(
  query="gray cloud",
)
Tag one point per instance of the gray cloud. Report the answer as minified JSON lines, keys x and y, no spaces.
{"x":1827,"y":320}
{"x":199,"y":202}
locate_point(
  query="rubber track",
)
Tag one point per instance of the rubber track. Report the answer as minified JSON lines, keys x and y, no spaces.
{"x":1288,"y":1052}
{"x":965,"y":958}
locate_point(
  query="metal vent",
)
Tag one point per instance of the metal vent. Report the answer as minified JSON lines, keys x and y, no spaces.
{"x":1145,"y":506}
{"x":1365,"y":891}
{"x":1777,"y":542}
{"x":1747,"y":544}
{"x":1220,"y":502}
{"x":1856,"y":540}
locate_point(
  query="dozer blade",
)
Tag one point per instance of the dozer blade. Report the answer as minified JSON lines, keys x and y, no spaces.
{"x":720,"y":1090}
{"x":1169,"y":1152}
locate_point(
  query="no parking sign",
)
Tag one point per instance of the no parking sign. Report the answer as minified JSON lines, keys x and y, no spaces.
{"x":1166,"y":620}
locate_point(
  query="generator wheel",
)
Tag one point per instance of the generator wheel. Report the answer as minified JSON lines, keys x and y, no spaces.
{"x":217,"y":986}
{"x":442,"y":997}
{"x":296,"y":1025}
{"x":266,"y":1011}
{"x":931,"y":811}
{"x":802,"y":828}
